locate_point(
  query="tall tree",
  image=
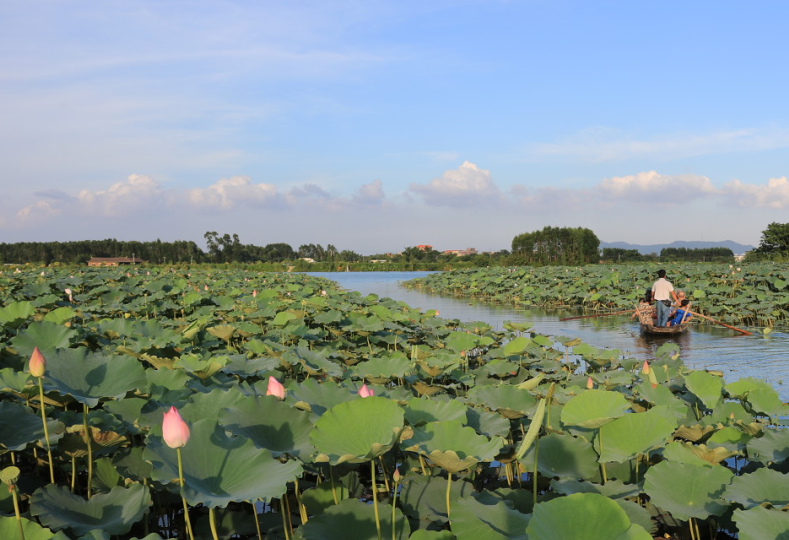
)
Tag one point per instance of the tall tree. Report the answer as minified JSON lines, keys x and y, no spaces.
{"x":775,"y":239}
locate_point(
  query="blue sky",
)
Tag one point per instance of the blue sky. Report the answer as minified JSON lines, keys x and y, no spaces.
{"x":376,"y":125}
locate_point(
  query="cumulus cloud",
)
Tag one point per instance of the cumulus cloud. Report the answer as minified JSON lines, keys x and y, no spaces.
{"x":370,"y":194}
{"x":229,"y":193}
{"x":773,"y":195}
{"x":465,"y":186}
{"x":652,"y":187}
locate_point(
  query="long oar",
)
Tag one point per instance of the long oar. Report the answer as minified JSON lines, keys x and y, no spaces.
{"x":598,"y":315}
{"x":720,"y":323}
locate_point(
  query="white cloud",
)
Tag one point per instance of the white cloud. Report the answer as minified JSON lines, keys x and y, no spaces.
{"x":122,"y":198}
{"x":652,"y":187}
{"x":370,"y":194}
{"x":465,"y":186}
{"x":773,"y":195}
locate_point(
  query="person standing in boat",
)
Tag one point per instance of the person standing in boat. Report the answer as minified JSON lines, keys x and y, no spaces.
{"x":663,"y":292}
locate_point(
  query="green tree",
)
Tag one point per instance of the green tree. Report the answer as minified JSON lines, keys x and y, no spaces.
{"x":556,"y":246}
{"x":775,"y":239}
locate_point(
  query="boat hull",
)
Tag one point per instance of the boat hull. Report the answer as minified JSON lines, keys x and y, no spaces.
{"x":663,"y":330}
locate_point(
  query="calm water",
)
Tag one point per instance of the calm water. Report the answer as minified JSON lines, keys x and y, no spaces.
{"x":705,"y":346}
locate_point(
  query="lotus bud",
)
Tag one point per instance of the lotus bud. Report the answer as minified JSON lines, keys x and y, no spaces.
{"x":396,"y":476}
{"x":38,"y":364}
{"x":275,"y":389}
{"x":174,"y":429}
{"x":206,"y":287}
{"x":589,"y":383}
{"x":364,"y":391}
{"x":254,"y":293}
{"x":646,"y":367}
{"x":438,"y":313}
{"x":68,"y":292}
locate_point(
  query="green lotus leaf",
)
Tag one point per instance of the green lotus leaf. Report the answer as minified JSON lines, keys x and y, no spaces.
{"x":114,"y":512}
{"x":452,"y":446}
{"x":741,"y":387}
{"x":15,"y":314}
{"x":270,"y":424}
{"x":766,"y":401}
{"x":223,"y":331}
{"x":760,"y":523}
{"x":314,"y":363}
{"x":659,"y":395}
{"x":44,"y":335}
{"x":20,"y":426}
{"x":105,"y":476}
{"x":130,"y":463}
{"x":563,"y":456}
{"x":210,"y":405}
{"x":88,"y":377}
{"x":516,"y":346}
{"x":423,"y":534}
{"x":613,"y":489}
{"x":761,"y":486}
{"x":16,"y":381}
{"x":219,"y":469}
{"x":473,"y":520}
{"x":587,"y":516}
{"x":636,"y":433}
{"x":357,"y":431}
{"x":244,"y":367}
{"x":730,"y":438}
{"x":687,"y":491}
{"x":462,"y":341}
{"x":60,"y":315}
{"x":383,"y":369}
{"x":32,"y":530}
{"x":202,"y":367}
{"x":318,"y":398}
{"x":706,"y":387}
{"x":487,"y":423}
{"x":320,"y":497}
{"x":771,"y":447}
{"x":509,"y":401}
{"x":354,"y":520}
{"x":421,"y":411}
{"x":424,"y":498}
{"x":594,"y":408}
{"x":167,"y":385}
{"x":501,"y":368}
{"x":238,"y":522}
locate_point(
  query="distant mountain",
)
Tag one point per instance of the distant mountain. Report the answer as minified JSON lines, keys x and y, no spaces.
{"x":738,"y":249}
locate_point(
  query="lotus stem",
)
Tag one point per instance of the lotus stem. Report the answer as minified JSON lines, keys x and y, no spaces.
{"x":183,"y":499}
{"x":602,"y":464}
{"x":535,"y":472}
{"x":449,"y":485}
{"x":690,"y":528}
{"x":284,"y":520}
{"x":302,"y":508}
{"x":383,"y":467}
{"x":422,"y":464}
{"x":288,"y":514}
{"x":73,"y":473}
{"x":257,"y":521}
{"x":88,"y":443}
{"x":46,"y":430}
{"x":212,"y":522}
{"x":696,"y":526}
{"x":375,"y":500}
{"x":394,"y":507}
{"x":14,"y":490}
{"x":333,"y":487}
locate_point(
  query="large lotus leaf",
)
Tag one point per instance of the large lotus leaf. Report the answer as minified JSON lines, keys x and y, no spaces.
{"x":424,"y":498}
{"x":20,"y":426}
{"x":270,"y":424}
{"x":730,"y":438}
{"x":202,"y":367}
{"x":706,"y":387}
{"x":562,"y":456}
{"x":771,"y":447}
{"x":88,"y":377}
{"x":357,"y":431}
{"x":586,"y":516}
{"x":685,"y":452}
{"x":636,"y":433}
{"x":318,"y":498}
{"x":516,"y":346}
{"x":354,"y":520}
{"x":209,"y":405}
{"x":687,"y":491}
{"x":382,"y":369}
{"x":423,"y":534}
{"x":509,"y":401}
{"x":219,"y":469}
{"x":761,"y":486}
{"x":722,"y":413}
{"x":318,"y":398}
{"x":32,"y":530}
{"x":16,"y":313}
{"x":594,"y":408}
{"x":452,"y":446}
{"x":760,"y":523}
{"x":167,"y":385}
{"x":244,"y":367}
{"x":766,"y":401}
{"x":421,"y":411}
{"x":741,"y":387}
{"x":487,"y":423}
{"x":472,"y":520}
{"x":114,"y":512}
{"x":314,"y":363}
{"x":60,"y":315}
{"x":613,"y":489}
{"x":44,"y":335}
{"x":12,"y":380}
{"x":462,"y":341}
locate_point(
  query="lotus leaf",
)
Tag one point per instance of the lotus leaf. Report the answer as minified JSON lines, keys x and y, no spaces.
{"x":741,"y":387}
{"x":633,"y":434}
{"x":357,"y":431}
{"x":465,"y":341}
{"x":32,"y":530}
{"x":354,"y":520}
{"x":421,"y":411}
{"x":208,"y":405}
{"x":508,"y":400}
{"x":613,"y":489}
{"x":219,"y":469}
{"x":694,"y":454}
{"x":244,"y":367}
{"x":44,"y":335}
{"x":771,"y":447}
{"x":487,"y":423}
{"x":452,"y":446}
{"x":687,"y":490}
{"x":517,"y":346}
{"x":594,"y":408}
{"x":20,"y":426}
{"x":317,"y":398}
{"x":313,"y":363}
{"x":473,"y":520}
{"x":586,"y":516}
{"x":759,"y":487}
{"x":423,"y":498}
{"x":382,"y":369}
{"x":16,"y":381}
{"x":270,"y":424}
{"x":130,"y":464}
{"x":760,"y":523}
{"x":563,"y":456}
{"x":659,"y":395}
{"x":15,"y":314}
{"x":706,"y":387}
{"x":201,"y":367}
{"x":423,"y":534}
{"x":730,"y":438}
{"x":114,"y":512}
{"x":766,"y":401}
{"x":60,"y":315}
{"x":320,"y":497}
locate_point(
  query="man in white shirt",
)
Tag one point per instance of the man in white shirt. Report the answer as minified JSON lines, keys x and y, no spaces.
{"x":662,"y":292}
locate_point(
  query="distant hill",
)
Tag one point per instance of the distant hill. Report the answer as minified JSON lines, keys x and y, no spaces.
{"x":738,"y":249}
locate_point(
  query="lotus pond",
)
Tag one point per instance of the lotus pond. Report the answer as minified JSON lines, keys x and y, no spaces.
{"x":469,"y":431}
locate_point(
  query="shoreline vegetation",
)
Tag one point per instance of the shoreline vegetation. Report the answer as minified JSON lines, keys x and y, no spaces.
{"x":149,"y":403}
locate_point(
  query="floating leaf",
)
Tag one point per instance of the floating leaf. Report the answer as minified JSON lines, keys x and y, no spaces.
{"x":594,"y":408}
{"x":354,"y":520}
{"x":452,"y":446}
{"x":472,"y":520}
{"x":687,"y":490}
{"x":760,"y":523}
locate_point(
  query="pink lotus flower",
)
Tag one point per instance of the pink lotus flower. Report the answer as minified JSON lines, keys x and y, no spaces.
{"x":68,"y":292}
{"x":365,"y":391}
{"x":174,"y":429}
{"x":646,"y":367}
{"x":37,"y":364}
{"x":589,"y":383}
{"x":206,"y":287}
{"x":275,"y":389}
{"x":254,"y":293}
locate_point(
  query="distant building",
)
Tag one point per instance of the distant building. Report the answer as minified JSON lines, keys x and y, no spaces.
{"x":424,"y":247}
{"x":115,"y":261}
{"x":307,"y":259}
{"x":461,"y":252}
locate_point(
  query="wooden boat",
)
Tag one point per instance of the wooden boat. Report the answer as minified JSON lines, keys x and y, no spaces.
{"x":664,"y":330}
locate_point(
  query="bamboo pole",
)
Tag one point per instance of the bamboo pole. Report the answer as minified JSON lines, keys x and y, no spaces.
{"x":625,"y":312}
{"x":744,"y":332}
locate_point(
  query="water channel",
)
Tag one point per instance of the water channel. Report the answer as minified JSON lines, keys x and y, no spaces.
{"x":705,"y":346}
